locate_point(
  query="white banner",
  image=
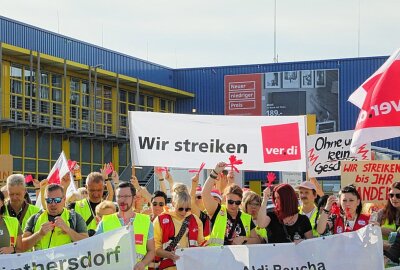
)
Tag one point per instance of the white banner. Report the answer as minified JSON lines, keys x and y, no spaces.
{"x":355,"y":250}
{"x":325,"y":151}
{"x":185,"y":141}
{"x":111,"y":250}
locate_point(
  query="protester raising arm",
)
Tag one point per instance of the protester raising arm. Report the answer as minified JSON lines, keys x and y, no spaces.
{"x":262,"y":219}
{"x":210,"y":204}
{"x":195,"y":182}
{"x":323,"y":218}
{"x":160,"y":177}
{"x":141,"y":190}
{"x":170,"y":180}
{"x":110,"y":190}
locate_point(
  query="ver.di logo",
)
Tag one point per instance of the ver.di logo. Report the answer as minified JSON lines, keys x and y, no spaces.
{"x":281,"y":142}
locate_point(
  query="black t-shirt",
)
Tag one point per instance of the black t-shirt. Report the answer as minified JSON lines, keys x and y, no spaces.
{"x":204,"y":219}
{"x":239,"y":229}
{"x":276,"y":229}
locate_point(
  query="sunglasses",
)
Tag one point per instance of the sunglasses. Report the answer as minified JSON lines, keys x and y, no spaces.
{"x":234,"y":202}
{"x":55,"y":200}
{"x":198,"y":197}
{"x":180,"y":209}
{"x":392,"y":195}
{"x":158,"y":203}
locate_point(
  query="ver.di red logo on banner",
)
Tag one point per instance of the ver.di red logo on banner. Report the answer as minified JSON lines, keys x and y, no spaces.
{"x":281,"y":142}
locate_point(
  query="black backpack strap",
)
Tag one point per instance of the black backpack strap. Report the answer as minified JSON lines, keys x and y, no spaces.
{"x":72,"y":219}
{"x":37,"y":215}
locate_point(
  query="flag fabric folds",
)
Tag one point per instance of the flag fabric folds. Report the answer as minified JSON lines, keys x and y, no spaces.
{"x":379,"y":100}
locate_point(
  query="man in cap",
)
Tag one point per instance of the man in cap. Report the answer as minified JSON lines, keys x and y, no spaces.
{"x":308,"y":194}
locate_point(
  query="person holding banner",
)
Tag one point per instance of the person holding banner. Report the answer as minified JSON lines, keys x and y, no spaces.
{"x":230,"y":225}
{"x":349,"y":217}
{"x":55,"y":226}
{"x":11,"y":233}
{"x":176,"y":229}
{"x":17,"y":206}
{"x":285,"y":224}
{"x":142,"y":226}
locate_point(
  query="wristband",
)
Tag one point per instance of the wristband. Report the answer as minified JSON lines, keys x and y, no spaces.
{"x":214,"y":172}
{"x":37,"y":188}
{"x":161,"y":179}
{"x":326,"y":211}
{"x":14,"y":250}
{"x":213,"y":176}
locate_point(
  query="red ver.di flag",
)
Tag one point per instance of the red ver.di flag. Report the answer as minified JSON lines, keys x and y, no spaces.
{"x":379,"y":101}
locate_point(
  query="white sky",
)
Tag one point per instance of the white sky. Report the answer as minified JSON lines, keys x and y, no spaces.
{"x":187,"y":33}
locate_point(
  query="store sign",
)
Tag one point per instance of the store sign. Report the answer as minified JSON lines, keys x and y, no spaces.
{"x":243,"y":94}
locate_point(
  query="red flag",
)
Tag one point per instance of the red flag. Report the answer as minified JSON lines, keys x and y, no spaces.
{"x":379,"y":100}
{"x":28,"y":178}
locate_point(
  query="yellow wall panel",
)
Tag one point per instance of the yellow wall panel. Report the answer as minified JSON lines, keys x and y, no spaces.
{"x":311,"y":124}
{"x":255,"y":186}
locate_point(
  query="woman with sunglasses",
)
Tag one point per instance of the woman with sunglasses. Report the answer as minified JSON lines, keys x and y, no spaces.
{"x":349,"y":217}
{"x":230,"y":225}
{"x":251,"y":205}
{"x":178,"y":228}
{"x":11,"y":237}
{"x":284,"y":224}
{"x":389,"y":216}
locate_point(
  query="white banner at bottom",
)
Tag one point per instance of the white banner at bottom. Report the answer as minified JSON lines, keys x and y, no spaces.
{"x":111,"y":250}
{"x":355,"y":250}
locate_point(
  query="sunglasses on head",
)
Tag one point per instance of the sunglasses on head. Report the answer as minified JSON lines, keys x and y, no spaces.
{"x":392,"y":195}
{"x":55,"y":200}
{"x":180,"y":209}
{"x":158,"y":203}
{"x":234,"y":202}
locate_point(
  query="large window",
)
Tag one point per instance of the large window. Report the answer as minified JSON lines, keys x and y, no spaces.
{"x":27,"y":105}
{"x":34,"y":152}
{"x":79,"y":105}
{"x":103,"y":112}
{"x":91,"y":154}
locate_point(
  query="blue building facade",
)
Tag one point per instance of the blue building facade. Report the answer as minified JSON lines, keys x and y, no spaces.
{"x":185,"y":90}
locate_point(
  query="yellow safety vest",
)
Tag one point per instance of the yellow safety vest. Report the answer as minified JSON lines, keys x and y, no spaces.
{"x":312,"y":220}
{"x":388,"y":226}
{"x":262,"y":232}
{"x":141,"y":226}
{"x":54,"y":238}
{"x":12,"y":225}
{"x":219,"y":227}
{"x":83,"y":208}
{"x":32,"y":210}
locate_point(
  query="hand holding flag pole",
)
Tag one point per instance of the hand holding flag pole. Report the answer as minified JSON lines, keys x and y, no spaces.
{"x":234,"y":161}
{"x":199,"y":170}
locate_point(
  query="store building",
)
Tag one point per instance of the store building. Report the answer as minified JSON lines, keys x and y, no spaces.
{"x":58,"y":93}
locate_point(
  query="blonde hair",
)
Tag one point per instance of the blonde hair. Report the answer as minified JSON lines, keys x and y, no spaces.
{"x":180,"y":195}
{"x":105,"y":205}
{"x":178,"y":188}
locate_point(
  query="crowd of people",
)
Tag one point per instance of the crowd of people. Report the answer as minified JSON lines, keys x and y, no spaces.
{"x":219,"y":213}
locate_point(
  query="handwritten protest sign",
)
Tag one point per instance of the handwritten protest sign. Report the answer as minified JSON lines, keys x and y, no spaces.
{"x":6,"y":168}
{"x":372,"y":178}
{"x":326,"y":151}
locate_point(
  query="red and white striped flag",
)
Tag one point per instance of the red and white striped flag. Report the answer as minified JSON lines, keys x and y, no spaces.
{"x":59,"y":170}
{"x":379,"y":100}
